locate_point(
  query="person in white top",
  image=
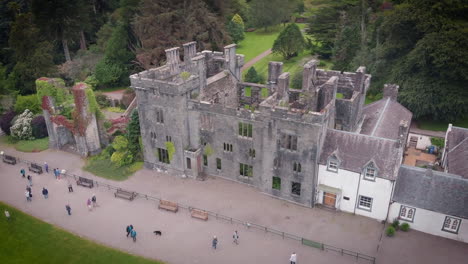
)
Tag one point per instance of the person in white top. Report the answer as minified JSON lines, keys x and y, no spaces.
{"x":293,"y":258}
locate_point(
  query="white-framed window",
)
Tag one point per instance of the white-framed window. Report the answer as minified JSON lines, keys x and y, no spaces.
{"x":407,"y":213}
{"x":365,"y":203}
{"x":332,"y":164}
{"x":451,"y":224}
{"x":370,"y":172}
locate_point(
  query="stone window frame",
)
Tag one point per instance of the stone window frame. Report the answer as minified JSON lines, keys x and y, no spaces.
{"x":252,"y":153}
{"x":451,"y":224}
{"x":363,"y":200}
{"x":297,"y":167}
{"x":289,"y":141}
{"x":278,"y":183}
{"x":227,"y":147}
{"x":189,"y":163}
{"x":407,"y":213}
{"x":168,"y":139}
{"x":332,"y":160}
{"x":218,"y":164}
{"x":205,"y":160}
{"x":163,"y":155}
{"x":295,"y":189}
{"x":277,"y":163}
{"x":245,"y":170}
{"x":245,"y":130}
{"x":159,"y":116}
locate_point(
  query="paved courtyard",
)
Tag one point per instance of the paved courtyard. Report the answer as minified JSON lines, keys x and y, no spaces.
{"x":187,"y":240}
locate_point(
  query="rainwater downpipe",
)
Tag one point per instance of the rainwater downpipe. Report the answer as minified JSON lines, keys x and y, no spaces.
{"x":357,"y":194}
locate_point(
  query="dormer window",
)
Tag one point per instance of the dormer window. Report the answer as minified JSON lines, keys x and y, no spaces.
{"x":332,"y":164}
{"x":370,"y":172}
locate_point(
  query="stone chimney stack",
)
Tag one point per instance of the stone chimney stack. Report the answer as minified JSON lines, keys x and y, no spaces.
{"x":283,"y":87}
{"x":274,"y":71}
{"x":173,"y":60}
{"x":309,"y":75}
{"x":231,"y":59}
{"x":360,"y":76}
{"x":190,"y":51}
{"x":402,"y":130}
{"x":391,"y":91}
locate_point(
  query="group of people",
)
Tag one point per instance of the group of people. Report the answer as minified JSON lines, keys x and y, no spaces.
{"x":235,"y":240}
{"x":91,"y":203}
{"x":131,"y":231}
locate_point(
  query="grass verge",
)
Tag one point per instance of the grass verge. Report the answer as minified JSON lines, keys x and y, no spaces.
{"x":439,"y":125}
{"x":114,"y":109}
{"x":36,"y":145}
{"x":26,"y":239}
{"x":106,"y":169}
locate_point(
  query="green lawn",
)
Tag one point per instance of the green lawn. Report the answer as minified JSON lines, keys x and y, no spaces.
{"x":104,"y":168}
{"x":114,"y":109}
{"x":440,"y":126}
{"x":27,"y":240}
{"x":259,"y":41}
{"x":35,"y":145}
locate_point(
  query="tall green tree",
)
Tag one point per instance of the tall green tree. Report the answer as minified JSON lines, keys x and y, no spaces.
{"x":33,"y":58}
{"x":289,"y":42}
{"x":252,"y":76}
{"x":235,"y":28}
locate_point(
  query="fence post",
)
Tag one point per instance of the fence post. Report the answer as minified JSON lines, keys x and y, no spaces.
{"x":341,"y":252}
{"x":266,"y":229}
{"x":323,"y":246}
{"x":357,"y":256}
{"x":231,"y":220}
{"x":283,"y":235}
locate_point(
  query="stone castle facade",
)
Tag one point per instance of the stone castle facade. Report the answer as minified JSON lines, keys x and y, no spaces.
{"x":199,"y":118}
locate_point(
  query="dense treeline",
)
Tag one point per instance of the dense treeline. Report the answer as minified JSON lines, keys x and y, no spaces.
{"x":418,"y":44}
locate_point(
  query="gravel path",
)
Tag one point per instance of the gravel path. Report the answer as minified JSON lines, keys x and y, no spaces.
{"x":188,"y":240}
{"x":251,"y":62}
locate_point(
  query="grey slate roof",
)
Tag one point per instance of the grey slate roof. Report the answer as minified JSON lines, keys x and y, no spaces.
{"x":355,"y":151}
{"x":457,"y":155}
{"x":382,"y":118}
{"x":440,"y":192}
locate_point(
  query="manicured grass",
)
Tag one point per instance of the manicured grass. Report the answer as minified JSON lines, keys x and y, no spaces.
{"x":114,"y":109}
{"x":111,"y":89}
{"x":104,"y":168}
{"x":26,"y":239}
{"x":441,"y":126}
{"x":36,"y":145}
{"x":248,"y":91}
{"x":259,"y":41}
{"x":339,"y":96}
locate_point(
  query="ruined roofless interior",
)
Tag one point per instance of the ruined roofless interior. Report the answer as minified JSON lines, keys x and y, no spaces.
{"x":199,"y":118}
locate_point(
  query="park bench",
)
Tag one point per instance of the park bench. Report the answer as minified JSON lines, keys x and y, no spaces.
{"x":85,"y":182}
{"x":125,"y":194}
{"x":35,"y":168}
{"x":200,"y":214}
{"x":9,"y":159}
{"x":169,"y":206}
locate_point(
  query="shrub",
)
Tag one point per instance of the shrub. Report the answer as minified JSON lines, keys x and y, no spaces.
{"x":102,"y":100}
{"x":39,"y":127}
{"x":29,"y":102}
{"x":108,"y":74}
{"x":404,"y":227}
{"x":390,"y":231}
{"x":438,"y":142}
{"x":396,"y":224}
{"x":252,"y":76}
{"x":296,"y":82}
{"x":6,"y":121}
{"x":22,"y":129}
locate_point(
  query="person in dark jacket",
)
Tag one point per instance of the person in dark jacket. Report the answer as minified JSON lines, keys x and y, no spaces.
{"x":133,"y":234}
{"x":129,"y":229}
{"x":68,"y":209}
{"x":45,"y":192}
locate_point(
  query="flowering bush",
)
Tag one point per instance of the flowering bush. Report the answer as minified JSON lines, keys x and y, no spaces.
{"x":22,"y":128}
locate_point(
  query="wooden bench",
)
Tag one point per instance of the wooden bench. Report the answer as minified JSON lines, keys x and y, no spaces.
{"x":125,"y":194}
{"x":35,"y":168}
{"x":169,"y":206}
{"x":196,"y":213}
{"x":9,"y":159}
{"x":85,"y":182}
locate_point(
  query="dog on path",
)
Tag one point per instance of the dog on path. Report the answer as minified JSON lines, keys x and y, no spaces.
{"x":157,"y":232}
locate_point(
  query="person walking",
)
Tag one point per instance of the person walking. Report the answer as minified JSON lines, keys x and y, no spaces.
{"x":235,"y":237}
{"x":88,"y":203}
{"x":214,"y":243}
{"x":133,"y":234}
{"x":30,"y":180}
{"x":46,"y":167}
{"x":28,"y":189}
{"x":23,"y":173}
{"x":93,"y":199}
{"x":45,"y":192}
{"x":28,"y":196}
{"x":58,"y":173}
{"x":7,"y":215}
{"x":70,"y":187}
{"x":55,"y":173}
{"x":293,"y":258}
{"x":129,"y":229}
{"x":68,"y":208}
